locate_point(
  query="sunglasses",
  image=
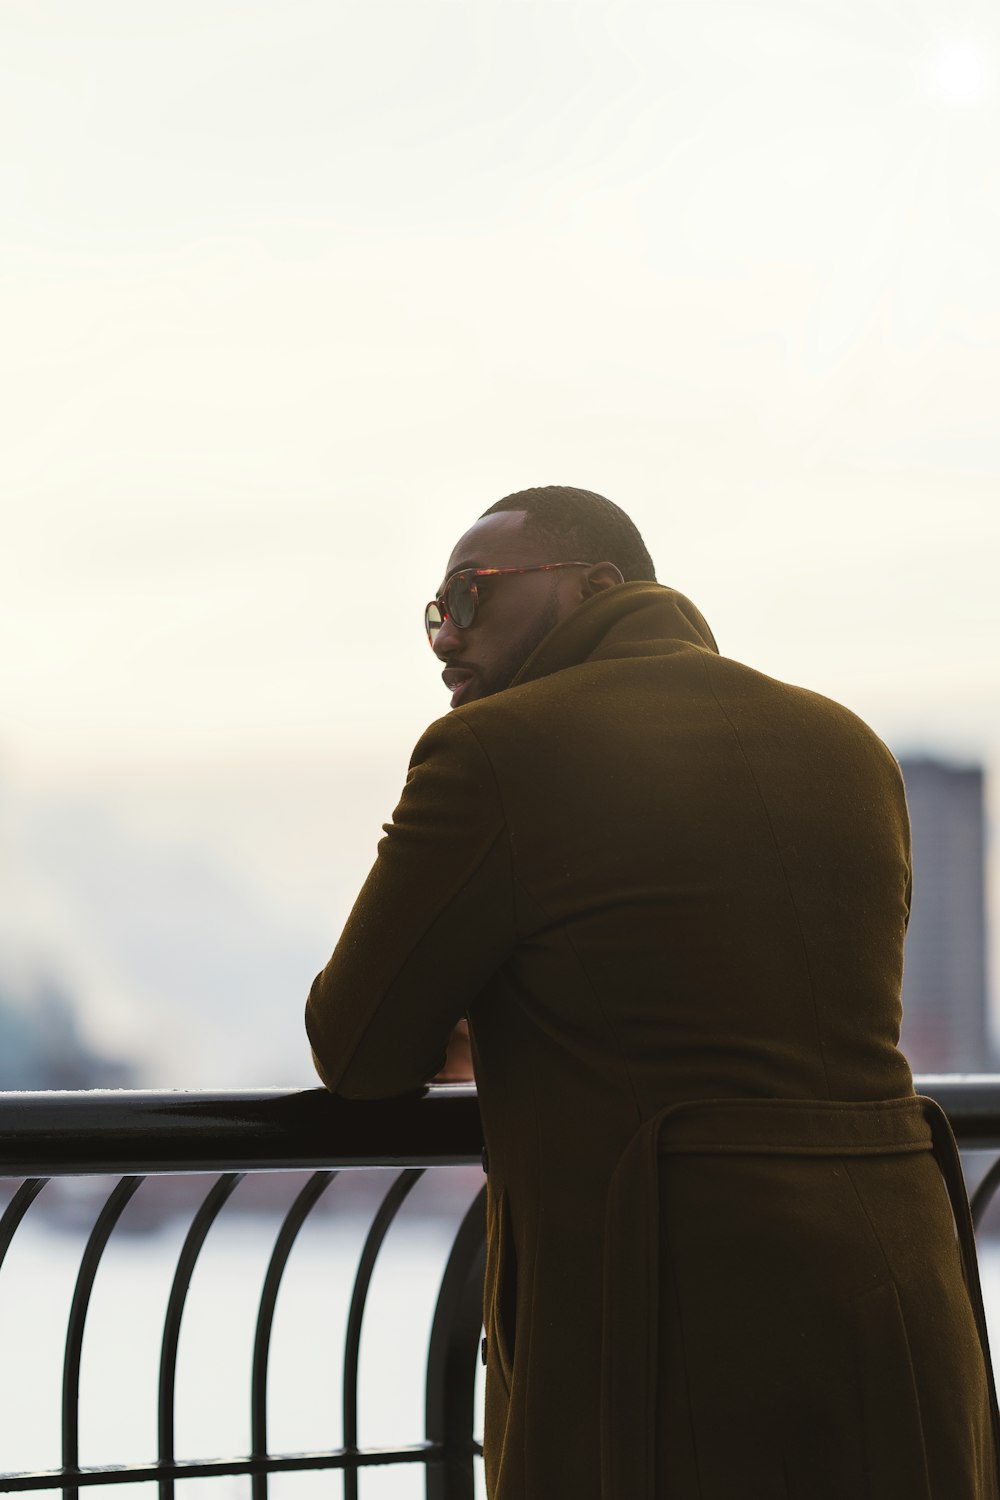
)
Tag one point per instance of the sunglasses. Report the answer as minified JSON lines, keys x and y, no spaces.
{"x":460,"y":597}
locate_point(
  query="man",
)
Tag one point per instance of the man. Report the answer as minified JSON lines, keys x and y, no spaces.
{"x":668,"y":894}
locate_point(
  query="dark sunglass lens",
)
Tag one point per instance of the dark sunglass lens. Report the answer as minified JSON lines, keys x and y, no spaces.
{"x":432,"y":622}
{"x":461,"y":602}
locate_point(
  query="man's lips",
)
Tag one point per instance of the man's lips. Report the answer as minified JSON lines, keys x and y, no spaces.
{"x":456,"y":680}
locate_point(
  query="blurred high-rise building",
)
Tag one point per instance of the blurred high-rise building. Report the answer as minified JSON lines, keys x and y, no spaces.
{"x":945,"y":1026}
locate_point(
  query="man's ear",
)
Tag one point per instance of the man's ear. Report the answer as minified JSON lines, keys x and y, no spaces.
{"x":602,"y":576}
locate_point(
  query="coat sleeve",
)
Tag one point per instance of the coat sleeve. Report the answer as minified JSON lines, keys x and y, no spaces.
{"x":432,"y":923}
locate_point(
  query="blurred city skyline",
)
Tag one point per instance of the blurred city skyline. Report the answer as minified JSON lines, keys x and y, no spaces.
{"x":292,"y":293}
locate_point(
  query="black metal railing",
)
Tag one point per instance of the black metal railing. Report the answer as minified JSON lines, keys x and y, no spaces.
{"x":139,"y":1135}
{"x":136,"y":1136}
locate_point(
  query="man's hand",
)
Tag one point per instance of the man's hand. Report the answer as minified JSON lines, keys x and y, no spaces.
{"x":458,"y":1061}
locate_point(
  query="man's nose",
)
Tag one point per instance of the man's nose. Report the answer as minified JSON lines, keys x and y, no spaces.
{"x":448,"y":641}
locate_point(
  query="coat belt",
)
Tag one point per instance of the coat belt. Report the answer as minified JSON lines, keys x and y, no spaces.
{"x":787,"y":1127}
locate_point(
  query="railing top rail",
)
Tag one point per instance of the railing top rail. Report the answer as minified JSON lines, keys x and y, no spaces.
{"x":66,"y":1134}
{"x":970,"y":1100}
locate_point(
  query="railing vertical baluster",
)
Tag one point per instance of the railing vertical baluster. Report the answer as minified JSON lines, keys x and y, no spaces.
{"x":388,"y":1210}
{"x":984,"y":1194}
{"x":186,"y":1261}
{"x":451,"y":1358}
{"x":293,"y":1222}
{"x":16,"y":1210}
{"x":89,"y":1262}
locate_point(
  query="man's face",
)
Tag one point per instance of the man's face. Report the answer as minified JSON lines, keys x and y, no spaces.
{"x":516,"y":610}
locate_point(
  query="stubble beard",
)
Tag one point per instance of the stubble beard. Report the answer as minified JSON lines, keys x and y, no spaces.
{"x":508,"y":668}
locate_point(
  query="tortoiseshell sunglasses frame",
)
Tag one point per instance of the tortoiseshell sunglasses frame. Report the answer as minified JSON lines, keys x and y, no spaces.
{"x":432,"y":628}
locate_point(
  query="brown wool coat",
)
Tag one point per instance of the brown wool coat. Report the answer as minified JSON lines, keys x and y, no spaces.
{"x":670,"y":893}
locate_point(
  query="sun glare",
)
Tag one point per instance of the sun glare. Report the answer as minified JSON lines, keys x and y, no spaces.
{"x":960,"y":72}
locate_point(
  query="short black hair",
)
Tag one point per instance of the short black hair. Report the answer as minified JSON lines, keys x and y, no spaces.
{"x":584,"y":524}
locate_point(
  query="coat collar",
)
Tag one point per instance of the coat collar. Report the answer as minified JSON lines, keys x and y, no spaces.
{"x":627,"y":620}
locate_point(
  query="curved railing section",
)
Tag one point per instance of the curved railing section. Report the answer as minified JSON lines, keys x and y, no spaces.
{"x":135,"y":1136}
{"x":296,"y":1216}
{"x":141,"y":1135}
{"x":194,"y":1241}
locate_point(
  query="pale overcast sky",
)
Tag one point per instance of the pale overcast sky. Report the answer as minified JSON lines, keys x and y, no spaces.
{"x":292,"y":291}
